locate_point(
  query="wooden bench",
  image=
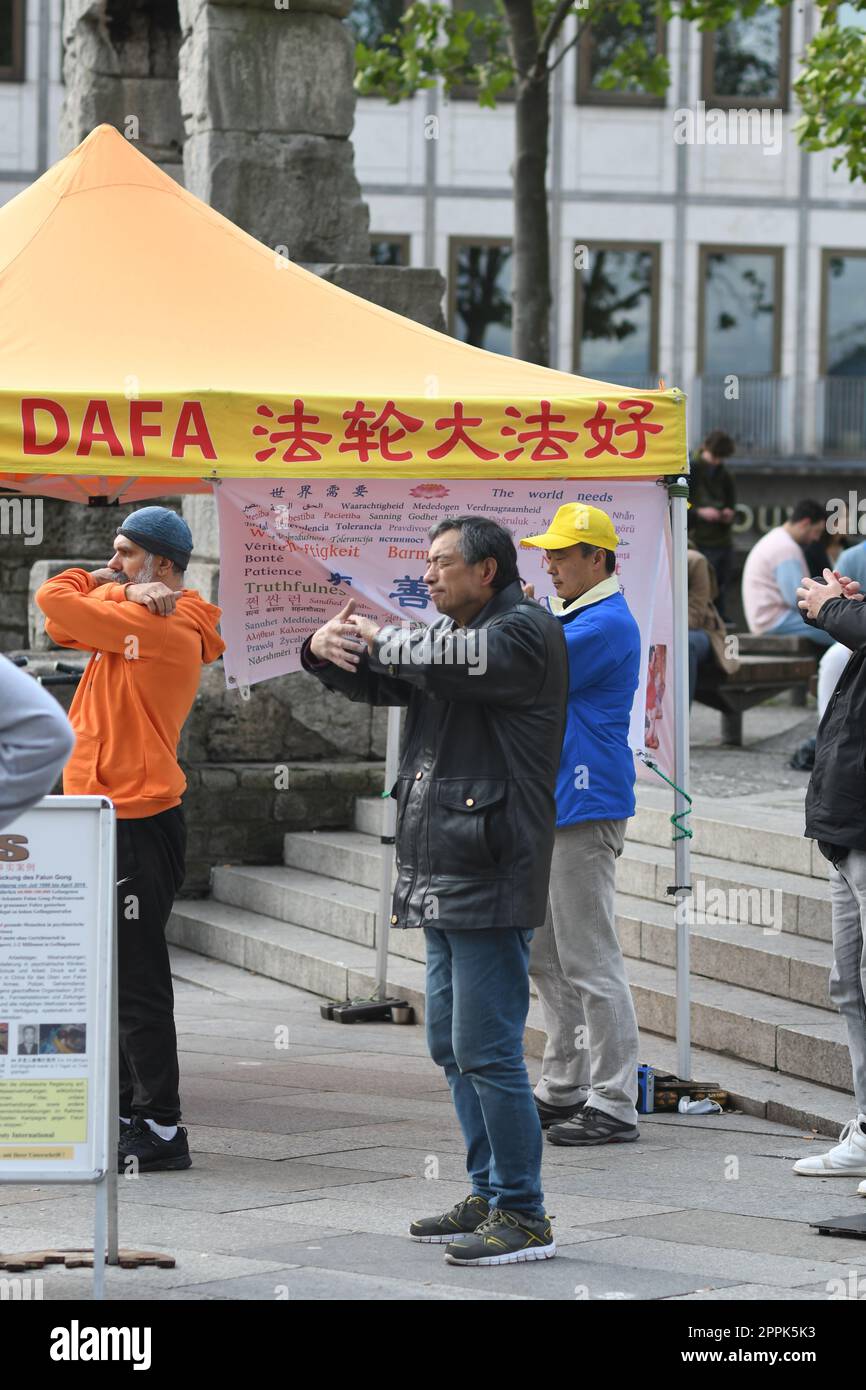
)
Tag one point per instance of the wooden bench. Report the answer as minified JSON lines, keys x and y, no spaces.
{"x":751,"y":643}
{"x":768,"y":666}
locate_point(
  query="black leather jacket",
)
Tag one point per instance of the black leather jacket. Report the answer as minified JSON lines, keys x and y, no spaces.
{"x":836,"y":796}
{"x":476,"y":807}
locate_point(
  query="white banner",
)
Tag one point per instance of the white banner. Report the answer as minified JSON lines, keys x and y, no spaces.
{"x":291,"y":554}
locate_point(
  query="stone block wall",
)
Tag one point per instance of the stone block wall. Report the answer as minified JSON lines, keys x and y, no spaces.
{"x":120,"y":63}
{"x":236,"y":813}
{"x":268,"y":106}
{"x":66,"y":529}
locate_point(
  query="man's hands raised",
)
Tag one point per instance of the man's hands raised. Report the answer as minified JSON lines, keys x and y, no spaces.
{"x":812,"y":594}
{"x":156,"y":597}
{"x":338,"y":640}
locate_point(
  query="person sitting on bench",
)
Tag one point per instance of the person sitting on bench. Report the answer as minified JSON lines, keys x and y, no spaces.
{"x":774,"y":570}
{"x":707,"y":633}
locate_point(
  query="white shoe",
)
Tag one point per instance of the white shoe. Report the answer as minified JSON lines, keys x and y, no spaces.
{"x":861,"y":1190}
{"x":846,"y":1160}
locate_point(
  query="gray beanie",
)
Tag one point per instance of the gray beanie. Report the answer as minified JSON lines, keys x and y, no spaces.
{"x":161,"y":532}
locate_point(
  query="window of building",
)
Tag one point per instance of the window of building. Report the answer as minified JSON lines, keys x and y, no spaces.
{"x":11,"y":40}
{"x":370,"y":20}
{"x":479,"y":293}
{"x":597,"y":48}
{"x":747,"y":61}
{"x":843,"y":347}
{"x":388,"y":249}
{"x":740,"y":311}
{"x":616,"y":312}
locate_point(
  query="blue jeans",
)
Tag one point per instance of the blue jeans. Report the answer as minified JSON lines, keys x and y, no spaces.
{"x":792,"y":625}
{"x":477,"y":1002}
{"x":699,"y":648}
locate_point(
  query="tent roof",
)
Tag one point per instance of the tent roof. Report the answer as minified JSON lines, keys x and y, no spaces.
{"x":116,"y":282}
{"x":109,"y":268}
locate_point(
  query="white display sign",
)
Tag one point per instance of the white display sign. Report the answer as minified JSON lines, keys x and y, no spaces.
{"x":57,"y":903}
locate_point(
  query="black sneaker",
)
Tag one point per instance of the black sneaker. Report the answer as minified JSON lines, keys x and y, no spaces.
{"x":593,"y":1126}
{"x":463,"y":1219}
{"x":505,"y":1238}
{"x":126,"y":1126}
{"x":149,"y":1152}
{"x":556,"y":1114}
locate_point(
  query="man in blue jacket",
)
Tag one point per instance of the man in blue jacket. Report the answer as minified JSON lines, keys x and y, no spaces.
{"x":588,"y":1087}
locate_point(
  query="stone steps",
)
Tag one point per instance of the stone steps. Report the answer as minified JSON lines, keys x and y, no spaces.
{"x":759,"y":1033}
{"x":762,"y":1022}
{"x":730,"y":1014}
{"x":753,"y":889}
{"x":734,"y":952}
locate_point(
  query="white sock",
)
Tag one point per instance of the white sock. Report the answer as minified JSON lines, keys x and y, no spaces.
{"x":164,"y":1131}
{"x":124,"y":1120}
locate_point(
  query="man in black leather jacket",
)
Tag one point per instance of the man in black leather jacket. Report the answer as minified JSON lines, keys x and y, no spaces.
{"x":836,"y":818}
{"x":486,"y":689}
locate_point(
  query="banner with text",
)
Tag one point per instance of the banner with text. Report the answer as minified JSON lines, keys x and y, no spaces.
{"x":293,"y":553}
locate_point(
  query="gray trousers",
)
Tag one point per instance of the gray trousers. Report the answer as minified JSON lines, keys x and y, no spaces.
{"x":848,"y":976}
{"x":577,"y":967}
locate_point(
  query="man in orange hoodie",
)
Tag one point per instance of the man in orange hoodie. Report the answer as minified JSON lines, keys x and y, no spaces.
{"x":149,"y":637}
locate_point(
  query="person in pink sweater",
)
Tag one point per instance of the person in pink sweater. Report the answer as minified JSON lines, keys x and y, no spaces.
{"x":774,"y":570}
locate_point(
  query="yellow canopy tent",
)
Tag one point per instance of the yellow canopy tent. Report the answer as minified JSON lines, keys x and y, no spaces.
{"x":144,"y":336}
{"x":149,"y":346}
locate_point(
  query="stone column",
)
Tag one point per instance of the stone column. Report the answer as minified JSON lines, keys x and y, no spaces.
{"x":268,"y":104}
{"x":120,"y":67}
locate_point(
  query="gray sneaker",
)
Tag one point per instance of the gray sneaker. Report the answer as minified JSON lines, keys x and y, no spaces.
{"x":505,"y":1238}
{"x":461,"y":1220}
{"x":593,"y":1126}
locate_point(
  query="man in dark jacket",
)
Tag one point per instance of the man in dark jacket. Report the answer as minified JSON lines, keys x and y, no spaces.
{"x":713,"y":506}
{"x":836,"y":818}
{"x":486,"y":689}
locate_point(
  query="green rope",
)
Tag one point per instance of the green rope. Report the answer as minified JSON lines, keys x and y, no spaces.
{"x":685,"y":831}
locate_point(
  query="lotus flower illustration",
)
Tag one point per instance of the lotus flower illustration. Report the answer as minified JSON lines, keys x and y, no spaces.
{"x":429,"y":490}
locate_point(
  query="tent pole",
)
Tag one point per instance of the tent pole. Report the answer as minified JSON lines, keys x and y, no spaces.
{"x":678,"y":492}
{"x":389,"y":825}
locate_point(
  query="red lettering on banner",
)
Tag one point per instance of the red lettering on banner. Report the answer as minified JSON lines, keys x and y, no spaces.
{"x":637,"y":412}
{"x":603,"y":427}
{"x":302,"y":441}
{"x":138,"y":429}
{"x":548,"y":449}
{"x":364,"y":425}
{"x":29,"y":407}
{"x":98,"y":413}
{"x":192,"y":432}
{"x":458,"y":424}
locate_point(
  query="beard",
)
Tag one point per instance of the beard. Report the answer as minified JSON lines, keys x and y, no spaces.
{"x":147,"y":573}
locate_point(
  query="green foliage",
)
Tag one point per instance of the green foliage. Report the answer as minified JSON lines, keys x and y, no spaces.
{"x":469,"y":48}
{"x":433,"y":42}
{"x":832,"y":90}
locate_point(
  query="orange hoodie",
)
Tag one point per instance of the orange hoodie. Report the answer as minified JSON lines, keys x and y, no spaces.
{"x":136,"y":691}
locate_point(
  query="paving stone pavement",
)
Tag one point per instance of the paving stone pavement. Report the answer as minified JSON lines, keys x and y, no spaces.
{"x":311,"y":1158}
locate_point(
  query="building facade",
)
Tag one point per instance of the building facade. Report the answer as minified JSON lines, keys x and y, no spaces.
{"x":31,"y":91}
{"x":691,"y":237}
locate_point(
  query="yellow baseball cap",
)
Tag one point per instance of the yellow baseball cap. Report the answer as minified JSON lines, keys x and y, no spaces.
{"x":574,"y":523}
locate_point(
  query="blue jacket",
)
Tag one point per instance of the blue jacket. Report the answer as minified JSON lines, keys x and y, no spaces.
{"x":596,"y":770}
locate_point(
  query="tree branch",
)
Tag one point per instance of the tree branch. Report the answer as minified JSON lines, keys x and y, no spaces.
{"x":555,"y":23}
